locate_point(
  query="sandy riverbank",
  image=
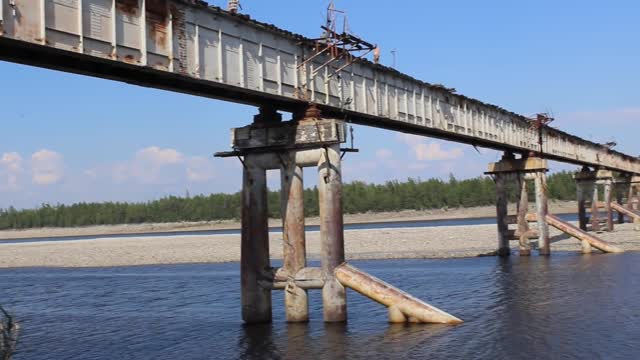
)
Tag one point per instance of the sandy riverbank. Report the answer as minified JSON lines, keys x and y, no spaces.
{"x":434,"y":242}
{"x":559,"y":207}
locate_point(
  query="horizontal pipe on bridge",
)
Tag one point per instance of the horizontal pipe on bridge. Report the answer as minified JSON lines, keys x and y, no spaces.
{"x":402,"y":306}
{"x":186,"y":46}
{"x":306,"y":278}
{"x":517,"y":235}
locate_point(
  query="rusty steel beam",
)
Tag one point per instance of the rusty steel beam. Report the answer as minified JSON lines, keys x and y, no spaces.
{"x":623,"y":210}
{"x":581,"y":235}
{"x":402,"y":306}
{"x":189,"y":47}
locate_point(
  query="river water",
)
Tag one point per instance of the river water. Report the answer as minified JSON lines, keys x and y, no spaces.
{"x":567,"y":306}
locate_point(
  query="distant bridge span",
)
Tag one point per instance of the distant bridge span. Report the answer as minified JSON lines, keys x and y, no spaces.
{"x":186,"y":46}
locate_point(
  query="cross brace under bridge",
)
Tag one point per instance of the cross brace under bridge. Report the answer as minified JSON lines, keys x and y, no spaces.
{"x":187,"y":46}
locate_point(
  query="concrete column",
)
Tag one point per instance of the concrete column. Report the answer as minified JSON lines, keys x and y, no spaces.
{"x":608,"y":189}
{"x":334,"y":295}
{"x":542,"y":206}
{"x":254,"y":259}
{"x":582,"y":190}
{"x":523,"y":209}
{"x":620,"y":190}
{"x":502,"y":212}
{"x":595,"y":211}
{"x":293,"y":238}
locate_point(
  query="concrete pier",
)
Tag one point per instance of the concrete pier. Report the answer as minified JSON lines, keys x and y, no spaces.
{"x":289,"y":147}
{"x":521,"y":170}
{"x":589,"y":184}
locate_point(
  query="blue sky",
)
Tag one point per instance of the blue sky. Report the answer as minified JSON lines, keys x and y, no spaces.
{"x":68,"y":138}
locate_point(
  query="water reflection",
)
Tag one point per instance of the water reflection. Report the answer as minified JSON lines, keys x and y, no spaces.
{"x":564,"y":306}
{"x":256,"y":342}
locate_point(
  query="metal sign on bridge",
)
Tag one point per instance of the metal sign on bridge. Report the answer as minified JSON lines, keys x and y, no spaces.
{"x":187,"y":46}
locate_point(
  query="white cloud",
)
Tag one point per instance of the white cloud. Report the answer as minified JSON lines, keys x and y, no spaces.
{"x":433,"y":151}
{"x":47,"y":167}
{"x":10,"y":170}
{"x":429,"y":151}
{"x":91,"y":173}
{"x":384,"y":154}
{"x":200,"y":169}
{"x":163,"y":166}
{"x":151,"y":165}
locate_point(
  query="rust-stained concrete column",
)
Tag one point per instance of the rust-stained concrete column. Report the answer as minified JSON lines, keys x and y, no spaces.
{"x":293,"y":238}
{"x":584,"y":180}
{"x":542,"y":207}
{"x":582,"y":189}
{"x":502,"y":203}
{"x":334,"y":295}
{"x":523,"y":209}
{"x":605,"y":179}
{"x":608,"y":189}
{"x":595,"y":210}
{"x":254,"y":260}
{"x":621,"y":190}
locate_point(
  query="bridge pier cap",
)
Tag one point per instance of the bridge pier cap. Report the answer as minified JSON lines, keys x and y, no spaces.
{"x":526,"y":164}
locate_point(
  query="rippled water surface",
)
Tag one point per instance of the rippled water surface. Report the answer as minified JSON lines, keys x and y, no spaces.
{"x":567,"y":306}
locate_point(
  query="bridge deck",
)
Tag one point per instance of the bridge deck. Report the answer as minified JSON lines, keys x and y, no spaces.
{"x":186,"y":46}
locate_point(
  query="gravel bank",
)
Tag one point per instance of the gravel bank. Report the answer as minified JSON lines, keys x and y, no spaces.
{"x":434,"y":242}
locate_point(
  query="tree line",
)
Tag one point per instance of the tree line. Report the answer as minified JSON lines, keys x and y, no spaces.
{"x":358,"y":197}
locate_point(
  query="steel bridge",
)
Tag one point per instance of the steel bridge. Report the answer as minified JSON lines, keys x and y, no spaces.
{"x":187,"y":46}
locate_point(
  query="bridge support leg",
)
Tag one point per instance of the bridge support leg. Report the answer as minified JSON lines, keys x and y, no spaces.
{"x":293,"y":237}
{"x":542,"y":206}
{"x":523,"y":224}
{"x":585,"y":179}
{"x":502,"y":203}
{"x":525,"y":168}
{"x":605,"y":179}
{"x":334,"y":295}
{"x":254,"y":258}
{"x":595,"y":211}
{"x":608,"y":189}
{"x":620,"y":191}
